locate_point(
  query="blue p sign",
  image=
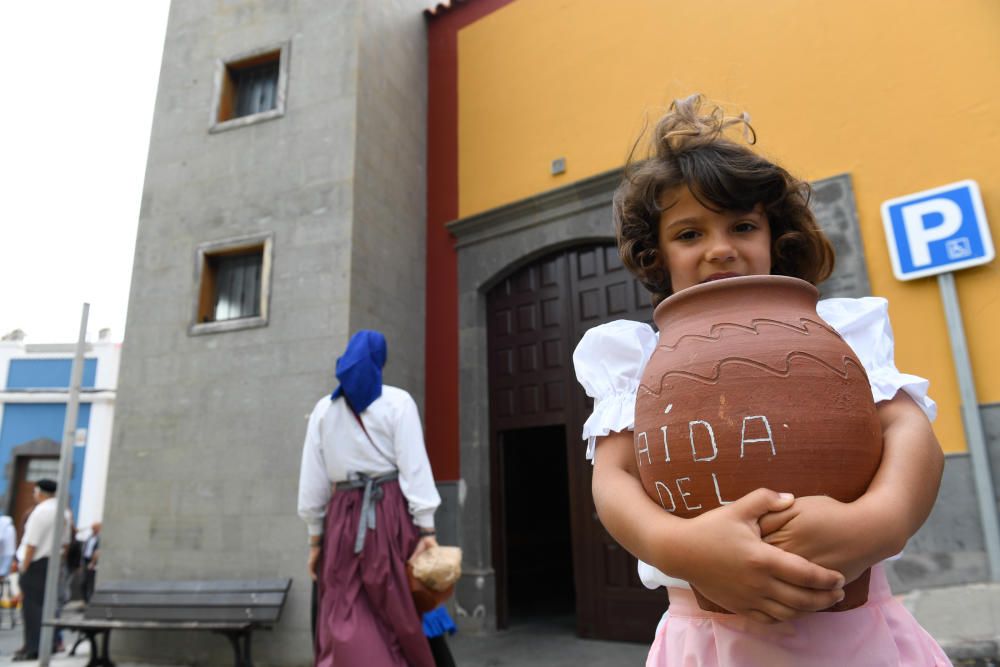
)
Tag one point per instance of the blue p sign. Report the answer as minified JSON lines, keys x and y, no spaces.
{"x":936,"y":231}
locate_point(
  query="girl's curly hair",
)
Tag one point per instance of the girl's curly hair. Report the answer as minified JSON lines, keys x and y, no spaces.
{"x":689,"y":147}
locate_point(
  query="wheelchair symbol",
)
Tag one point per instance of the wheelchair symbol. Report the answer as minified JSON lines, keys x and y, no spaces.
{"x":958,"y":248}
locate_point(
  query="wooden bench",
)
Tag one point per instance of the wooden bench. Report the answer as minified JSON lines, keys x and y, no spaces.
{"x":232,"y":608}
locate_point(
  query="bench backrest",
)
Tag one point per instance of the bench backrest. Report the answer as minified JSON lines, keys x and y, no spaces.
{"x":258,"y":602}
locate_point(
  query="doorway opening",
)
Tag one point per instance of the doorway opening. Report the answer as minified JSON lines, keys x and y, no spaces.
{"x":538,"y":547}
{"x":27,"y":471}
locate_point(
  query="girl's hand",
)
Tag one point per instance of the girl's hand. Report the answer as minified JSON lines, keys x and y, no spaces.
{"x":853,"y":536}
{"x":824,"y":531}
{"x":730,"y":565}
{"x":721,"y":551}
{"x":425,"y":543}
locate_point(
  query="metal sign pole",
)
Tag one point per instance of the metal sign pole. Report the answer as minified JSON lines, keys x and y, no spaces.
{"x":973,"y":424}
{"x":50,"y":602}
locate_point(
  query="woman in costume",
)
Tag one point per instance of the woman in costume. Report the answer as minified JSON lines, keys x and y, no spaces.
{"x":367,"y":495}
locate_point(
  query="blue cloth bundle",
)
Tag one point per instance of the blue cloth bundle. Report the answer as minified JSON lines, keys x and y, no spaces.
{"x":438,"y":622}
{"x":359,"y":370}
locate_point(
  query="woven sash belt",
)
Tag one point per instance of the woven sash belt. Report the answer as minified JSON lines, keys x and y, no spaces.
{"x":373,"y":494}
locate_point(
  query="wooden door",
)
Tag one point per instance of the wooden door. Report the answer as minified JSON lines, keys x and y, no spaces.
{"x":535,"y":319}
{"x":529,"y":382}
{"x":622,"y":608}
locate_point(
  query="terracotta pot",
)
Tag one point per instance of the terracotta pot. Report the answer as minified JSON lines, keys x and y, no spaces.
{"x":749,"y":388}
{"x":425,"y":598}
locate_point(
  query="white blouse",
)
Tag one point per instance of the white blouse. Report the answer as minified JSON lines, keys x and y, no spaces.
{"x":611,"y":357}
{"x":336,"y":447}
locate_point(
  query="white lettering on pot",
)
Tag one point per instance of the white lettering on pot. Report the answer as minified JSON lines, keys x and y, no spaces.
{"x":711,"y":437}
{"x":744,"y":440}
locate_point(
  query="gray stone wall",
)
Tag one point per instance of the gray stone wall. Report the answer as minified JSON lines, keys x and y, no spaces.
{"x":388,"y":269}
{"x":949,"y":549}
{"x":203,"y":475}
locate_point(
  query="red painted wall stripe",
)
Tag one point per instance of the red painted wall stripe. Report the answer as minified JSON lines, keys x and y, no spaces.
{"x":441,"y":350}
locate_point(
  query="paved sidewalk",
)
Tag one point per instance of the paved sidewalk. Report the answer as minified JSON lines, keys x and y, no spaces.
{"x":552,"y":643}
{"x":964,"y":619}
{"x":11,"y":638}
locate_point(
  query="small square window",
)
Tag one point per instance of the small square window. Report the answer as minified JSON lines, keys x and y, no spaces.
{"x":255,"y":88}
{"x":250,"y":88}
{"x":233,"y":285}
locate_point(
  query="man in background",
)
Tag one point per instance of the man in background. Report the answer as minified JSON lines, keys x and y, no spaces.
{"x":34,"y":560}
{"x":91,"y":553}
{"x":8,"y":545}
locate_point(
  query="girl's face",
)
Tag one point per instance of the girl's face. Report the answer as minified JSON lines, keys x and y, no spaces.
{"x":698,"y":244}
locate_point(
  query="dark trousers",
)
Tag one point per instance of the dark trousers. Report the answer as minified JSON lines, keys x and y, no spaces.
{"x":89,"y":579}
{"x":441,"y":652}
{"x":32,"y":584}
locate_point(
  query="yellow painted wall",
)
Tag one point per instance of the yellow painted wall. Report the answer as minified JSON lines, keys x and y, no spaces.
{"x":902,"y":94}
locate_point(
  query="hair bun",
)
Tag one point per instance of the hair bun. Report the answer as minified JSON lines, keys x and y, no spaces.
{"x":691,"y":123}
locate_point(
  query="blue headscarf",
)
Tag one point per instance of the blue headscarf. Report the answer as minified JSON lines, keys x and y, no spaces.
{"x":359,"y":370}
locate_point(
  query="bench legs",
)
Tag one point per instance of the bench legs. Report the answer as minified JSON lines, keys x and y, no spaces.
{"x":241,"y":649}
{"x":100,"y":645}
{"x":98,"y":654}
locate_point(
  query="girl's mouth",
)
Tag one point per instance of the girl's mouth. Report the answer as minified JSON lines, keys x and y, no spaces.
{"x":720,"y":276}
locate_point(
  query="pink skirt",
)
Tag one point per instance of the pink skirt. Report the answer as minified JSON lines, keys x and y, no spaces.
{"x":882,"y":633}
{"x":366,"y":615}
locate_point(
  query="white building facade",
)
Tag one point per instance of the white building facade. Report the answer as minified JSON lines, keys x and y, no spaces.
{"x":34,"y":392}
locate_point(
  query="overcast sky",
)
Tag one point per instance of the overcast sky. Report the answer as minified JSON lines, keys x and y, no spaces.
{"x":75,"y":114}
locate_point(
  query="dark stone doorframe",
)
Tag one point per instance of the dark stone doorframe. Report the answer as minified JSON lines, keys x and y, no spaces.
{"x":491,"y":246}
{"x":41,"y":447}
{"x":494,"y":244}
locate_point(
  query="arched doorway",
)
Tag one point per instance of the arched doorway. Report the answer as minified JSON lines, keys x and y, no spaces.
{"x":29,"y":462}
{"x":551,"y":555}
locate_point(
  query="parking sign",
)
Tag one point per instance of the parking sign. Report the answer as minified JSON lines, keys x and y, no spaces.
{"x":937,"y":231}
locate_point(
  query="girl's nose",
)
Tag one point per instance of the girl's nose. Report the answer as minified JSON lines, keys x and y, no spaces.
{"x":720,"y":250}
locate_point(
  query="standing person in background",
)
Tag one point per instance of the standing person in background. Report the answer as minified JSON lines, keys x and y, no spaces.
{"x":91,"y":554}
{"x":367,"y":495}
{"x":8,"y":544}
{"x":34,"y":561}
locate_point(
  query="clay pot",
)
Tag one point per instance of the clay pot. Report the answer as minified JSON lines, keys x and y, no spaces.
{"x":749,"y":388}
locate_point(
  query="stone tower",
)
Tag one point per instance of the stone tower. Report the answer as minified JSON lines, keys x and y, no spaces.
{"x":283,"y":209}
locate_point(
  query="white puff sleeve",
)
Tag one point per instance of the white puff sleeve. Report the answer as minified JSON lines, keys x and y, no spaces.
{"x":864,"y":324}
{"x":609,"y":361}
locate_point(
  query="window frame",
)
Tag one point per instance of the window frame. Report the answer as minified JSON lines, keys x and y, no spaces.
{"x":221,"y":85}
{"x":203,"y":255}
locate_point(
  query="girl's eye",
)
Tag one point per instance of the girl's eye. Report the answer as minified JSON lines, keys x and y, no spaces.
{"x":687,"y":235}
{"x":745,"y":226}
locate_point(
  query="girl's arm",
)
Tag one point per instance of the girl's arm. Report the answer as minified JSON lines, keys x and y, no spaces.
{"x":720,"y":552}
{"x":851,"y":537}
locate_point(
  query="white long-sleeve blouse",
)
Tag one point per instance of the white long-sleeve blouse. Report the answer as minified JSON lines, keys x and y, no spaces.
{"x":610,"y":360}
{"x":336,"y":447}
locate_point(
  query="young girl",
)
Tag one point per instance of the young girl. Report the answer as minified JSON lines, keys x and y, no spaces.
{"x":705,"y":207}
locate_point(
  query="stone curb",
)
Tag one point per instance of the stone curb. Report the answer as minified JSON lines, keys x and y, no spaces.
{"x":978,"y":650}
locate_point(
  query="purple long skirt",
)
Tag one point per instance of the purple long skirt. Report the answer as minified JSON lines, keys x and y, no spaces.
{"x":366,"y":616}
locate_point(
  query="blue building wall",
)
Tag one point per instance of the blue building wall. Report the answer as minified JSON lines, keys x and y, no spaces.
{"x":47,"y":373}
{"x":24,"y":422}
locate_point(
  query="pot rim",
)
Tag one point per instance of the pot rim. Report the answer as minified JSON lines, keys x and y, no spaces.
{"x":735,"y":283}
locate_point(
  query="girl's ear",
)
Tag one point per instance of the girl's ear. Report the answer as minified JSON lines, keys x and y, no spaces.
{"x":662,"y":279}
